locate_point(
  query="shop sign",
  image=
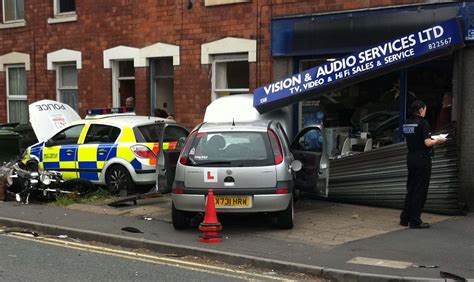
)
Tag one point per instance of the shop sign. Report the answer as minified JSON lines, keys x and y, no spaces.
{"x":423,"y":45}
{"x":470,"y":34}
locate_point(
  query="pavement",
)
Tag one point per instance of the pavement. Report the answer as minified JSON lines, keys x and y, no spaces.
{"x":338,"y":242}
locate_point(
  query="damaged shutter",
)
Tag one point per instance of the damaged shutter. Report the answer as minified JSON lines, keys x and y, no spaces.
{"x":378,"y":178}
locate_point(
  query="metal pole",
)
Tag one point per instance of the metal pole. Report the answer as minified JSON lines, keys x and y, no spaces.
{"x":403,"y":103}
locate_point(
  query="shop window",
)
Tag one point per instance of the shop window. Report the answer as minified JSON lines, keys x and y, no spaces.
{"x":67,"y":86}
{"x":124,"y":80}
{"x":65,"y":6}
{"x":230,"y":76}
{"x":13,"y":10}
{"x":431,"y":82}
{"x":370,"y":110}
{"x":162,"y":84}
{"x":17,"y":106}
{"x":367,"y":111}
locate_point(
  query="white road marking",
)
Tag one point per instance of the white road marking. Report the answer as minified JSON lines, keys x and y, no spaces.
{"x":381,"y":262}
{"x":194,"y":266}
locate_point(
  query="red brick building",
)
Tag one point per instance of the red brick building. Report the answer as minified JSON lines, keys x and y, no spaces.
{"x":90,"y":29}
{"x":180,"y":55}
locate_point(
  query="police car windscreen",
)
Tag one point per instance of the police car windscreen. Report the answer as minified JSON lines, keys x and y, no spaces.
{"x":148,"y":133}
{"x":231,"y":149}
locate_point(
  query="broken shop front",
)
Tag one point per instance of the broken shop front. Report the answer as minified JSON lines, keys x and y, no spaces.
{"x":356,"y":74}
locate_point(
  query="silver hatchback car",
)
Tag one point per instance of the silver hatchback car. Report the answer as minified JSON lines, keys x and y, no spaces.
{"x":249,"y":165}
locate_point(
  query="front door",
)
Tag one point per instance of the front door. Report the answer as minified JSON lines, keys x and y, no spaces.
{"x":92,"y":155}
{"x":308,"y":147}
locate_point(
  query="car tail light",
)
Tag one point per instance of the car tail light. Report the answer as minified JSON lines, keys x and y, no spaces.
{"x":281,"y":191}
{"x":142,"y":151}
{"x":178,"y":191}
{"x":276,"y":146}
{"x":183,"y":158}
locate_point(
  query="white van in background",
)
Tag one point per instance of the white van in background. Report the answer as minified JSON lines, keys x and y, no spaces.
{"x":239,"y":108}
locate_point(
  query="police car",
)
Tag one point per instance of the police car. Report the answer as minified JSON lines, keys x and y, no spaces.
{"x":112,"y":147}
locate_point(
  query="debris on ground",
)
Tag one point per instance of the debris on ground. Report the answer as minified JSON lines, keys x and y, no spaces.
{"x":18,"y":230}
{"x":425,"y":266}
{"x":131,"y":229}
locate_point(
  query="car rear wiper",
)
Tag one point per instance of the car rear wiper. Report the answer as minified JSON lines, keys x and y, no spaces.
{"x":214,"y":163}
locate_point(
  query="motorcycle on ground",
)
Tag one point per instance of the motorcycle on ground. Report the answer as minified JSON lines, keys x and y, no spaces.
{"x":44,"y":184}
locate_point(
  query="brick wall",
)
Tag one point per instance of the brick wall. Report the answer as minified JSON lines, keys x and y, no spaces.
{"x":138,"y":23}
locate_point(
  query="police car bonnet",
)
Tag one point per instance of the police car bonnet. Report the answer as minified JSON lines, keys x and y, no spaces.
{"x":47,"y":117}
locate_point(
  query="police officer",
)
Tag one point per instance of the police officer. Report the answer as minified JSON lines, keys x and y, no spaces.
{"x":417,"y":132}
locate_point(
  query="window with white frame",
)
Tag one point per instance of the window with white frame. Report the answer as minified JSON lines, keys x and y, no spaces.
{"x":64,"y":6}
{"x":162,"y":84}
{"x":124,"y":81}
{"x":13,"y":10}
{"x":230,"y":75}
{"x":67,"y":85}
{"x":17,"y":105}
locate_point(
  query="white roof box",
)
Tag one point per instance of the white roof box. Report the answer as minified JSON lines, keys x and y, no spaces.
{"x":239,"y":108}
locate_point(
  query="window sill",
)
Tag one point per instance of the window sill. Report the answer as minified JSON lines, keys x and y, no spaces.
{"x":12,"y":24}
{"x":223,"y":2}
{"x":62,"y":19}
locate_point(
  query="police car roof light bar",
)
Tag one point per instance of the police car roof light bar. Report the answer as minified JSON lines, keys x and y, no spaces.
{"x":109,"y":111}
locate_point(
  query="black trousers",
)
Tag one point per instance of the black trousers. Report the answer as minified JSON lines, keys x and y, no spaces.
{"x":419,"y":174}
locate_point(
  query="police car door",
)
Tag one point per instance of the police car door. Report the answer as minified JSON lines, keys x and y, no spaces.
{"x":93,"y":154}
{"x":172,"y":141}
{"x":60,"y":151}
{"x":308,"y":147}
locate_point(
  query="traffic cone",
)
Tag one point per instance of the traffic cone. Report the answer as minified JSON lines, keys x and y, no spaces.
{"x":210,"y":226}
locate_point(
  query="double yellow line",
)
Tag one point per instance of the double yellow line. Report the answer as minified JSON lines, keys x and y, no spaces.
{"x":193,"y":266}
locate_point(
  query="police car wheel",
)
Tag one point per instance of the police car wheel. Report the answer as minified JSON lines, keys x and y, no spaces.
{"x":118,"y":180}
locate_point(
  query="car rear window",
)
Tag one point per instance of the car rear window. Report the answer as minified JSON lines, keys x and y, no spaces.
{"x":231,"y":149}
{"x":149,"y":133}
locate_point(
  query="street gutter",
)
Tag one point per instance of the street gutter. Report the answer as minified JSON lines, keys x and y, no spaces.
{"x":231,"y":258}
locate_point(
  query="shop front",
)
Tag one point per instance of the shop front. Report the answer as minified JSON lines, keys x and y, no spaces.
{"x":355,"y":73}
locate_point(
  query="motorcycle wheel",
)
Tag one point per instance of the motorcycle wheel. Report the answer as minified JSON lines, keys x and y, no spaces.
{"x":32,"y":166}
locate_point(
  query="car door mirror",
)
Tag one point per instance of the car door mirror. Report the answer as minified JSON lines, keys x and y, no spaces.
{"x":296,"y":165}
{"x":49,"y":143}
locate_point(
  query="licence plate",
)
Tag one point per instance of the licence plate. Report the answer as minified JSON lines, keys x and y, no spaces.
{"x":233,"y":201}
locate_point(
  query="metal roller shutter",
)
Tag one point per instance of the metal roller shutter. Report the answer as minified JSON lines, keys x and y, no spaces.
{"x":378,"y":178}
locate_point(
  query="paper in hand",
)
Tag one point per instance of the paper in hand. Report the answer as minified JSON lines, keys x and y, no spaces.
{"x":439,"y":136}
